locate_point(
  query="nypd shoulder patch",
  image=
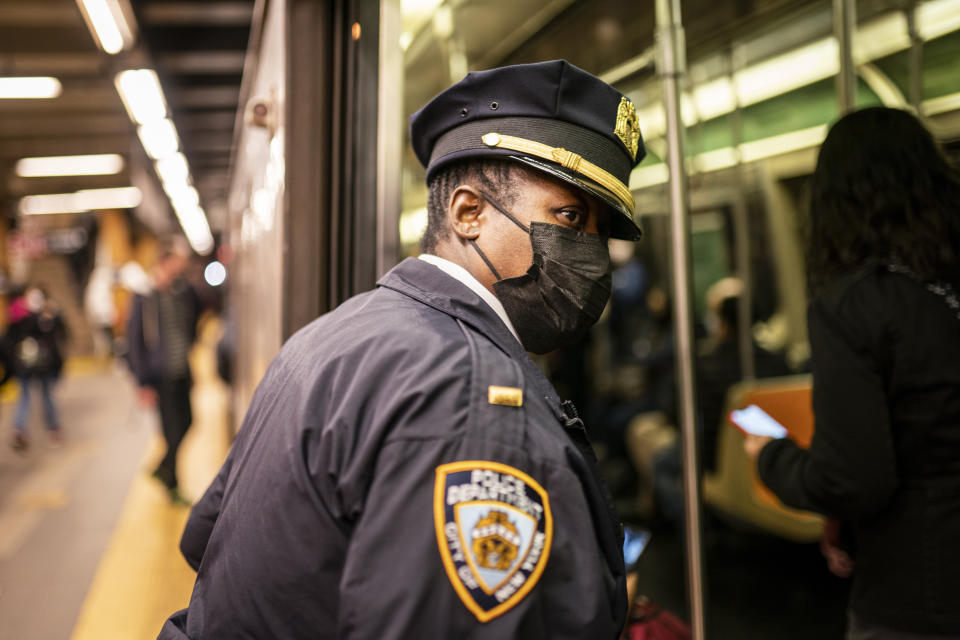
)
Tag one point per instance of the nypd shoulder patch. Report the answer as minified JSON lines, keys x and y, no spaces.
{"x":494,"y":528}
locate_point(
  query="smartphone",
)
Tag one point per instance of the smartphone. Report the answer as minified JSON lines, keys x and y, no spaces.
{"x":634,"y":542}
{"x":756,"y":421}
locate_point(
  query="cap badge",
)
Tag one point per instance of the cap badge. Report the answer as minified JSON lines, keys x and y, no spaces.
{"x":628,"y":129}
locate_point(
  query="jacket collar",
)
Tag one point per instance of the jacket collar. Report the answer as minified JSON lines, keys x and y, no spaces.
{"x":426,"y":283}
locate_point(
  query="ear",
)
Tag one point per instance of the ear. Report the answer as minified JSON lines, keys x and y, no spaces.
{"x":464,"y":212}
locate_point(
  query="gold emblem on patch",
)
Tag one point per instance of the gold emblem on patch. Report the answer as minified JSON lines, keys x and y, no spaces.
{"x":494,"y":530}
{"x":495,"y":541}
{"x":506,"y":396}
{"x":628,"y":129}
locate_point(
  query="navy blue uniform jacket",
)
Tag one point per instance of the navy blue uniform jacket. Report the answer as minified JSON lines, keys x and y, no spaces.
{"x":336,"y":514}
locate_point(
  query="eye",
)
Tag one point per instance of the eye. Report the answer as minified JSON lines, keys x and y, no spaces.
{"x":572,"y":218}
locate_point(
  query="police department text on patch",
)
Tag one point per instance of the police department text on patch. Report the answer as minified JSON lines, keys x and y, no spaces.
{"x":494,"y":529}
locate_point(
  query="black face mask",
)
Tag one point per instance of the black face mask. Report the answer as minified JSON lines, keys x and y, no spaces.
{"x":563,"y":292}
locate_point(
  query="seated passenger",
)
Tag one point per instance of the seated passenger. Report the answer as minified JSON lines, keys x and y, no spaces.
{"x":718,"y":367}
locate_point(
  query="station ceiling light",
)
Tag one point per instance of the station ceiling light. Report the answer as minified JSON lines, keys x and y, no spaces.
{"x":33,"y":87}
{"x":143,"y":98}
{"x":194,"y":223}
{"x":81,"y":201}
{"x":107,"y":24}
{"x":173,"y":169}
{"x":141,"y":94}
{"x":184,"y":198}
{"x":91,"y":165}
{"x":159,"y":139}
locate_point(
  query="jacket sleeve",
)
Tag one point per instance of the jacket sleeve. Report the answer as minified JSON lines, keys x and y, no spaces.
{"x":850,"y":470}
{"x":203,"y":516}
{"x":136,"y":348}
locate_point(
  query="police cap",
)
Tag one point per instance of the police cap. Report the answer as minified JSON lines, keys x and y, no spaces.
{"x":551,"y":116}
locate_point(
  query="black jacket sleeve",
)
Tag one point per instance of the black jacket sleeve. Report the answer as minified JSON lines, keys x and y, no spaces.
{"x":850,"y":470}
{"x":203,"y":516}
{"x":136,"y":347}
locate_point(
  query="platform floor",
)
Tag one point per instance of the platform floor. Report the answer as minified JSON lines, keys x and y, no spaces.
{"x":88,"y":540}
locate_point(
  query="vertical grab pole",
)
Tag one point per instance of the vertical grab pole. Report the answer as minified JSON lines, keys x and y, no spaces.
{"x":672,"y":68}
{"x":916,"y":59}
{"x":844,"y":24}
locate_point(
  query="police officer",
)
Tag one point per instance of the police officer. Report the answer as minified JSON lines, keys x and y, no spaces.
{"x":405,"y":470}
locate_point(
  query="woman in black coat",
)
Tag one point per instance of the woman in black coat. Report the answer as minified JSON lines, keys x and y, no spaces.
{"x":884,"y":323}
{"x":35,"y":341}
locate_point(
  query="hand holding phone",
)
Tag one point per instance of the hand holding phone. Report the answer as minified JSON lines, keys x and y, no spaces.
{"x":634,"y":542}
{"x":755,"y":421}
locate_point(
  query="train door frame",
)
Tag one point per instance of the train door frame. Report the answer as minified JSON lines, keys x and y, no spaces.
{"x":341,"y":224}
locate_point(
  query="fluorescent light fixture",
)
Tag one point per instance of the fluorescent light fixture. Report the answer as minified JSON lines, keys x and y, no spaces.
{"x":174,"y":188}
{"x":881,"y":37}
{"x":715,"y":160}
{"x":653,"y":120}
{"x":141,"y":94}
{"x":776,"y":145}
{"x":798,"y":68}
{"x":194,"y":224}
{"x":159,"y":139}
{"x":714,"y":98}
{"x":649,"y":176}
{"x":729,"y":156}
{"x":80,"y":201}
{"x":106,"y":22}
{"x":173,"y":169}
{"x":937,"y":18}
{"x":688,"y":110}
{"x":34,"y":87}
{"x":93,"y":165}
{"x":805,"y":65}
{"x":185,"y":198}
{"x":942,"y":104}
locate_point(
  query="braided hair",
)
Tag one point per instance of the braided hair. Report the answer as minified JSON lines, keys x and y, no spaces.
{"x":494,"y":176}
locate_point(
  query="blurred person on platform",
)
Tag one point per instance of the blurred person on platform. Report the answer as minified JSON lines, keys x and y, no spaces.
{"x":161,"y":330}
{"x":36,"y":338}
{"x":101,"y":311}
{"x":884,"y":323}
{"x":405,"y":470}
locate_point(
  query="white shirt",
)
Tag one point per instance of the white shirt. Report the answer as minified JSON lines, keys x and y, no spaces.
{"x":457,"y":272}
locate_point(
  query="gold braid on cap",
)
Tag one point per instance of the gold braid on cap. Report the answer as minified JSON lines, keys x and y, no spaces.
{"x":566,"y":159}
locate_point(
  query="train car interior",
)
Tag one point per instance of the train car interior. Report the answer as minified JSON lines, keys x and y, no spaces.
{"x":758,"y":97}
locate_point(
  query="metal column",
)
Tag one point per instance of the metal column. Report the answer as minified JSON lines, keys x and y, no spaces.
{"x":672,"y":67}
{"x":844,"y":25}
{"x":390,"y":128}
{"x":916,"y":59}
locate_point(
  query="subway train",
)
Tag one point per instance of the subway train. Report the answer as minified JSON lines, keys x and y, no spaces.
{"x":760,"y":90}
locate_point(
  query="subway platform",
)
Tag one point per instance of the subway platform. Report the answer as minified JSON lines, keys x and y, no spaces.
{"x":88,"y":540}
